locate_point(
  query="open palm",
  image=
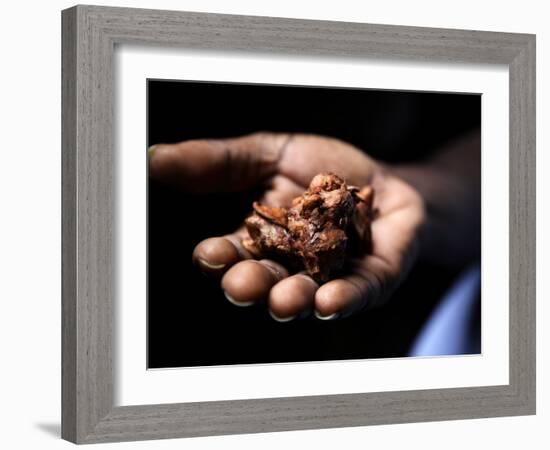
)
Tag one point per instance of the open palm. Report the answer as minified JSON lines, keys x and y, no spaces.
{"x":284,"y":165}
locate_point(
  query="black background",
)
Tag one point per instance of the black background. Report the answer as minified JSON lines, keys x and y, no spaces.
{"x":189,"y":320}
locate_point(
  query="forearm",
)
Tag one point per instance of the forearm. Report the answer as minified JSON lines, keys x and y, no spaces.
{"x":450,"y":184}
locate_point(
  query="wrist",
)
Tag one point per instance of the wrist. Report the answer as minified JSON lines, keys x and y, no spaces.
{"x":427,"y":182}
{"x":451,"y":235}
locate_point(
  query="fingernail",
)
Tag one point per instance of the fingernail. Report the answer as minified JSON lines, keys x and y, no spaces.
{"x":329,"y":317}
{"x":208,"y":265}
{"x":151,"y":150}
{"x":236,"y":303}
{"x":281,"y":319}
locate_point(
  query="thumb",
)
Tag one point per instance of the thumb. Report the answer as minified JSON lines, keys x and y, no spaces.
{"x":225,"y":165}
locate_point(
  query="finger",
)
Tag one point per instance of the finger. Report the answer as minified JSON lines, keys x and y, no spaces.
{"x":307,"y":155}
{"x":335,"y":298}
{"x":371,"y":282}
{"x":280,"y":191}
{"x":292,"y":297}
{"x":218,"y":165}
{"x":249,"y":282}
{"x":217,"y":254}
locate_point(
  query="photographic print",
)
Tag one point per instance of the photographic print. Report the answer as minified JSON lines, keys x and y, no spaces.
{"x":256,"y":233}
{"x":301,"y":223}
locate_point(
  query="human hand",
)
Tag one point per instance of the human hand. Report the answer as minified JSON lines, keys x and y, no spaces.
{"x":284,"y":165}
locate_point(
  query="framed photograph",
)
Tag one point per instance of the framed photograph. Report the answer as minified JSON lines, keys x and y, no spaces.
{"x":278,"y":224}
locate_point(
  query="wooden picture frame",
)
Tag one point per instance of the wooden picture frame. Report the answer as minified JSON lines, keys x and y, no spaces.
{"x":89,"y":37}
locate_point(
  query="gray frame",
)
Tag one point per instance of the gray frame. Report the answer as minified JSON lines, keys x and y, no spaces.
{"x":89,"y":36}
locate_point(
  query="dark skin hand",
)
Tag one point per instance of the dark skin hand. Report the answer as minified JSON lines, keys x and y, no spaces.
{"x":284,"y":165}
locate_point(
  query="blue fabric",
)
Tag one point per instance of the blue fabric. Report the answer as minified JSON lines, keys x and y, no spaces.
{"x":450,"y":330}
